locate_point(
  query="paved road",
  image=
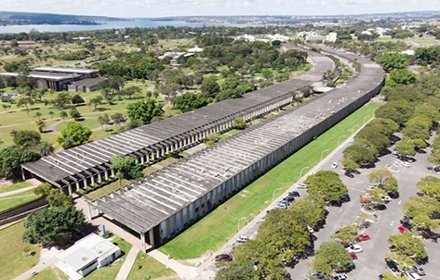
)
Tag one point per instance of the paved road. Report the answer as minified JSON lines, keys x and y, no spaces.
{"x":371,"y":262}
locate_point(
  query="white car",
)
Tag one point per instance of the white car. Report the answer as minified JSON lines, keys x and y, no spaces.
{"x":242,"y":238}
{"x":404,"y":163}
{"x":356,"y":248}
{"x":386,"y":198}
{"x":334,"y":165}
{"x":302,"y":186}
{"x":413,"y":276}
{"x":310,"y":229}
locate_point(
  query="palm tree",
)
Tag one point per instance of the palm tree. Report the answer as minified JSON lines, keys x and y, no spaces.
{"x":25,"y":101}
{"x":41,"y":125}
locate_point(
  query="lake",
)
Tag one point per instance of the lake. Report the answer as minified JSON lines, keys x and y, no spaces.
{"x":104,"y":25}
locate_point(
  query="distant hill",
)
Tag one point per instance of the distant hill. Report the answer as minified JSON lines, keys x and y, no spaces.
{"x":19,"y":18}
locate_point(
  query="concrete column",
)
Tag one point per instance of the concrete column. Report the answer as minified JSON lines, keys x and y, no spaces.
{"x":93,"y":180}
{"x":70,"y":189}
{"x":106,"y":174}
{"x":151,"y":235}
{"x":99,"y":177}
{"x":77,"y":185}
{"x":85,"y":182}
{"x":144,"y":247}
{"x":142,"y":159}
{"x":89,"y":212}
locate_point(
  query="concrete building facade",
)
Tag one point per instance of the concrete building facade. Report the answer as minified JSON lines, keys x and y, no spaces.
{"x":160,"y":206}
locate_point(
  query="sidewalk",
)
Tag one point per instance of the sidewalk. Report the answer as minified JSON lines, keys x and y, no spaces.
{"x":34,"y":184}
{"x":183,"y":271}
{"x":47,"y":259}
{"x":128,"y":264}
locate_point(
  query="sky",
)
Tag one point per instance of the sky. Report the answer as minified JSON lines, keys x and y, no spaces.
{"x":163,"y":8}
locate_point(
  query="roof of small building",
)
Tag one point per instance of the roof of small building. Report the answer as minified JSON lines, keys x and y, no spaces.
{"x":86,"y":251}
{"x":67,"y":70}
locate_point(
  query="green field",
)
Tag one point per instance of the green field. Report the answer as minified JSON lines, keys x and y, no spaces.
{"x":16,"y":256}
{"x":145,"y":267}
{"x":12,"y":201}
{"x":14,"y":187}
{"x":50,"y":274}
{"x":210,"y":233}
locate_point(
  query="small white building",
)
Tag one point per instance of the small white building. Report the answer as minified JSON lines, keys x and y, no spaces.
{"x":86,"y":255}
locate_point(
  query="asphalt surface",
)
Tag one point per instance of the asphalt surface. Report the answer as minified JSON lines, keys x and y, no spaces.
{"x":371,"y":262}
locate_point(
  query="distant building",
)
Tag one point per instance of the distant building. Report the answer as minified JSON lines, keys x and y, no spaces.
{"x":315,"y":37}
{"x":60,"y":78}
{"x":90,"y":253}
{"x":196,"y":49}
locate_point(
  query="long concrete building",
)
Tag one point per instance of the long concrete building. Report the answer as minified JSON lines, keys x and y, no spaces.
{"x":88,"y":164}
{"x":159,"y":206}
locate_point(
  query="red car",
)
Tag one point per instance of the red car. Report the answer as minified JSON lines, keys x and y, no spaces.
{"x":401,"y":228}
{"x":223,"y":258}
{"x":363,"y":237}
{"x":353,"y":255}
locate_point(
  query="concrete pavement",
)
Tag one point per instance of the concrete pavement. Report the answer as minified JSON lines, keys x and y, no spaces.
{"x":47,"y":259}
{"x":128,"y":264}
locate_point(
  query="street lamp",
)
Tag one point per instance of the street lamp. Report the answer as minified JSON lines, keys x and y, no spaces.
{"x":302,"y":170}
{"x":273,"y":193}
{"x":238,"y":223}
{"x":322,"y":154}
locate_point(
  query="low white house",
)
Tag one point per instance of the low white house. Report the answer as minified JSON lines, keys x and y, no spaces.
{"x":86,"y":255}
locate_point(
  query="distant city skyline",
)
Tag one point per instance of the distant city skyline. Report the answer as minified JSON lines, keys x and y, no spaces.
{"x":164,"y":8}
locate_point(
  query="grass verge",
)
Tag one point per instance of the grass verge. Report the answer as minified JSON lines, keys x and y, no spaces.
{"x":145,"y":267}
{"x":16,"y":256}
{"x":9,"y":202}
{"x":211,"y":232}
{"x":50,"y":273}
{"x":14,"y":187}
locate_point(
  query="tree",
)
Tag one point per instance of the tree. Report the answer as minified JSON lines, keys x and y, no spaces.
{"x":424,"y":222}
{"x":75,"y":114}
{"x":390,"y":276}
{"x":360,"y":152}
{"x":384,"y":179}
{"x":26,"y":138}
{"x":51,"y":113}
{"x":45,"y":148}
{"x":236,"y":271}
{"x":11,"y":159}
{"x":41,"y":125}
{"x":430,"y":186}
{"x":309,"y":211}
{"x":103,"y":120}
{"x":74,"y":134}
{"x":62,"y":100}
{"x":126,"y":167}
{"x":406,"y":147}
{"x":54,"y":225}
{"x":391,"y":61}
{"x":210,"y":86}
{"x":239,"y":123}
{"x":94,"y":102}
{"x":401,"y":77}
{"x":190,"y":101}
{"x":77,"y":99}
{"x":349,"y":165}
{"x":38,"y":115}
{"x":63,"y":115}
{"x":26,"y":102}
{"x":422,"y":206}
{"x":408,"y":245}
{"x":144,"y":111}
{"x":417,"y":128}
{"x":346,"y":234}
{"x":328,"y":186}
{"x":331,"y":257}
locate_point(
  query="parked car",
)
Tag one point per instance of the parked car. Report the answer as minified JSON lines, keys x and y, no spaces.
{"x":289,"y":198}
{"x":353,"y":256}
{"x":294,"y":194}
{"x":310,"y":229}
{"x":396,"y":154}
{"x":363,"y":237}
{"x":406,"y":164}
{"x":429,"y":234}
{"x":413,"y":275}
{"x":242,"y":239}
{"x":354,"y":248}
{"x":379,"y":207}
{"x":392,"y":265}
{"x":386,"y":198}
{"x":349,"y":174}
{"x":302,"y":186}
{"x":223,"y":258}
{"x":334,"y":165}
{"x":316,"y":276}
{"x":419,"y":270}
{"x":340,"y":277}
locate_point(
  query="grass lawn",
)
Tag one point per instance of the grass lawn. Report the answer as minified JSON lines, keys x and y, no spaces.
{"x":50,"y":273}
{"x":16,"y":256}
{"x":14,"y":187}
{"x":12,"y":201}
{"x":145,"y":267}
{"x":210,"y":233}
{"x":110,"y":271}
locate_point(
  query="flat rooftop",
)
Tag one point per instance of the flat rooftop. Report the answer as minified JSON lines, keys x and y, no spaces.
{"x":43,"y":75}
{"x":73,"y":163}
{"x":66,"y":70}
{"x":151,"y":200}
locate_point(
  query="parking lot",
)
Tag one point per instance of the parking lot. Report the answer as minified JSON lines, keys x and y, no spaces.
{"x":370,"y":262}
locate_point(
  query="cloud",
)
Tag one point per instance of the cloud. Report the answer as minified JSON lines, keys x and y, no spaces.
{"x":158,"y":8}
